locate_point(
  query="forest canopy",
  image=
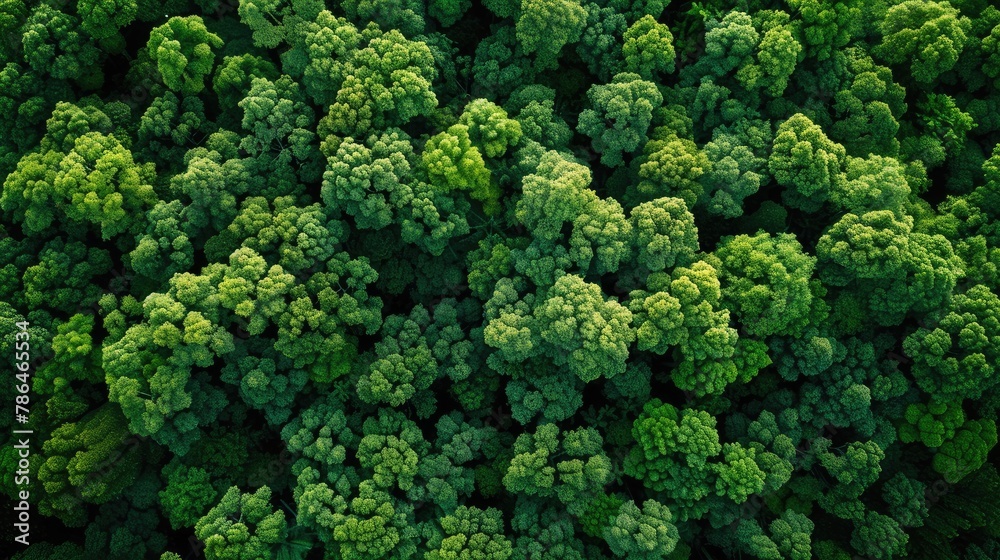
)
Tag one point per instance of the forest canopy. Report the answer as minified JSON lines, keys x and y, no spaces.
{"x":501,"y":279}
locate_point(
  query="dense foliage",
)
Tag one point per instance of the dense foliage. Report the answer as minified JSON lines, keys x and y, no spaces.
{"x":503,"y":280}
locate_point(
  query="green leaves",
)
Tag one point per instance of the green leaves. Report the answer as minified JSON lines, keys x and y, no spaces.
{"x":452,"y":162}
{"x":572,"y":470}
{"x":94,"y":182}
{"x":472,"y":533}
{"x":583,"y":330}
{"x":182,"y":51}
{"x":665,"y":233}
{"x":93,"y":460}
{"x":955,"y":360}
{"x":648,"y":48}
{"x":806,"y":162}
{"x":102,"y":20}
{"x":672,"y":453}
{"x":931,"y":35}
{"x":621,"y":114}
{"x":545,"y":26}
{"x":642,"y":533}
{"x":385,"y":83}
{"x":967,"y":451}
{"x":767,"y":283}
{"x":404,"y":279}
{"x":242,"y":525}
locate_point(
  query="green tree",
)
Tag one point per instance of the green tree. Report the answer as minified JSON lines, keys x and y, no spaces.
{"x":472,"y":533}
{"x":649,"y":48}
{"x":545,"y":26}
{"x":672,"y":453}
{"x":242,"y":525}
{"x":665,"y":233}
{"x":930,"y":34}
{"x":621,"y":114}
{"x":954,"y":359}
{"x":581,"y":329}
{"x":642,"y":533}
{"x":967,"y":451}
{"x":181,"y":48}
{"x":92,"y":461}
{"x":187,"y":496}
{"x":767,"y":283}
{"x":807,"y":163}
{"x":387,"y":82}
{"x":103,"y":20}
{"x":453,"y":162}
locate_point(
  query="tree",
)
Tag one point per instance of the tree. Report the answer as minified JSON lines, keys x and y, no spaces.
{"x":388,"y":82}
{"x":649,"y":48}
{"x":930,"y":34}
{"x":827,"y":26}
{"x":670,"y":166}
{"x":954,"y":360}
{"x":543,"y":529}
{"x":665,"y":233}
{"x":92,"y":460}
{"x":94,"y":182}
{"x":767,"y":283}
{"x":967,"y":451}
{"x":872,"y":183}
{"x":64,"y":276}
{"x":187,"y":496}
{"x":415,"y":351}
{"x":572,"y":470}
{"x":405,"y":15}
{"x":621,"y":114}
{"x":472,"y":533}
{"x":683,"y":310}
{"x":52,"y":43}
{"x":551,"y":397}
{"x":867,"y":105}
{"x":672,"y":453}
{"x":278,"y":119}
{"x":932,"y":424}
{"x":853,"y":472}
{"x":729,"y":43}
{"x":152,"y":370}
{"x":554,"y":194}
{"x":452,"y":162}
{"x":545,"y":26}
{"x":242,"y":525}
{"x":581,"y":329}
{"x":600,"y":44}
{"x":880,"y":251}
{"x":739,"y":476}
{"x":369,"y":180}
{"x":501,"y":63}
{"x":181,"y":48}
{"x":535,"y":112}
{"x":235,"y":74}
{"x":269,"y":383}
{"x":642,"y":533}
{"x":447,"y":12}
{"x":101,"y":20}
{"x":879,"y":536}
{"x":737,"y":166}
{"x":790,"y":537}
{"x":807,"y":163}
{"x":945,"y":122}
{"x":907,"y":500}
{"x":490,"y":129}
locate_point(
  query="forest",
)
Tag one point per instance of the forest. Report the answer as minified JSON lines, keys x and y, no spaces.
{"x":500,"y":279}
